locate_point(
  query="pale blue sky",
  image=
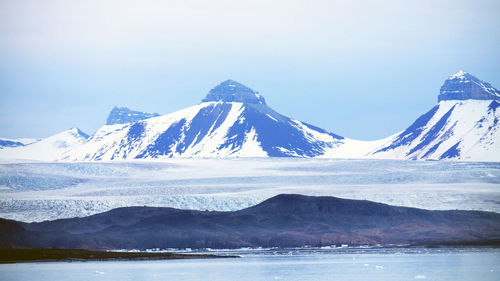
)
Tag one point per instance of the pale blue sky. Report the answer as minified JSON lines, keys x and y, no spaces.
{"x":361,"y":69}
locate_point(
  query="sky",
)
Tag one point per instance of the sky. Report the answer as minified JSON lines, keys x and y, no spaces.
{"x":360,"y":69}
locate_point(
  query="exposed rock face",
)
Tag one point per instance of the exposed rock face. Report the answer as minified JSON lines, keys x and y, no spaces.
{"x":47,"y":149}
{"x":123,"y":115}
{"x":464,"y":125}
{"x":232,"y":121}
{"x":210,"y":129}
{"x":281,"y":221}
{"x":9,"y":143}
{"x":464,"y":86}
{"x":232,"y":91}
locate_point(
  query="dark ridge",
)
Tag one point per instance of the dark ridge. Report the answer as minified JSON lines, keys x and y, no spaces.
{"x":279,"y":138}
{"x":493,"y":105}
{"x":8,"y":143}
{"x":452,"y":152}
{"x":81,"y":133}
{"x":135,"y":132}
{"x":432,"y":133}
{"x":278,"y":135}
{"x":208,"y":118}
{"x":412,"y":132}
{"x":281,"y":221}
{"x":165,"y":141}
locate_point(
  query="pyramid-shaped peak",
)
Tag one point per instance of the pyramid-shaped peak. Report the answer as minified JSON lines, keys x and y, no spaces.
{"x":460,"y":75}
{"x":465,"y":86}
{"x":232,"y":83}
{"x":232,"y":91}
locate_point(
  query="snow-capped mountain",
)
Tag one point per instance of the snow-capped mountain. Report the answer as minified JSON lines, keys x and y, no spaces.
{"x":8,"y":143}
{"x":464,"y":125}
{"x":232,"y":120}
{"x":235,"y":121}
{"x":47,"y":149}
{"x":123,"y":115}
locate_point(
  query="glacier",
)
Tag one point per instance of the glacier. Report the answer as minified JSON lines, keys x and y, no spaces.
{"x":37,"y":191}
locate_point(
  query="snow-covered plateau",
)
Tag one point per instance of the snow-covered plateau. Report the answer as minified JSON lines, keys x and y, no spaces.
{"x":37,"y":191}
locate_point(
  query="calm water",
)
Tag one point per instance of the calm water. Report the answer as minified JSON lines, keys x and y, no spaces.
{"x":402,"y":264}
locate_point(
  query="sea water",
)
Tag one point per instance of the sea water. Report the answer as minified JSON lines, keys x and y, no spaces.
{"x":370,"y":264}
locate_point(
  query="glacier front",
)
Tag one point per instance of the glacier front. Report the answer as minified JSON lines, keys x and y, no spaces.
{"x":49,"y":190}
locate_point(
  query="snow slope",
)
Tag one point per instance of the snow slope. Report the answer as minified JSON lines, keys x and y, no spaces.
{"x":47,"y":149}
{"x":6,"y":143}
{"x":464,"y":125}
{"x":210,"y":129}
{"x":235,"y":121}
{"x":248,"y":128}
{"x":357,"y":149}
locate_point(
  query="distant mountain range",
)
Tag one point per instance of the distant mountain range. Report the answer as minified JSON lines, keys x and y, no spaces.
{"x":235,"y":121}
{"x":123,"y":115}
{"x":5,"y":143}
{"x":281,"y":221}
{"x":232,"y":120}
{"x":46,"y":149}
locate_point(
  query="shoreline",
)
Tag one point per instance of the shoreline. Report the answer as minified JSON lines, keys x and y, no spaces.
{"x":69,"y":255}
{"x":10,"y":256}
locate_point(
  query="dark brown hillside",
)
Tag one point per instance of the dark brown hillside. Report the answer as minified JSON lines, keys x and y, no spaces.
{"x":281,"y":221}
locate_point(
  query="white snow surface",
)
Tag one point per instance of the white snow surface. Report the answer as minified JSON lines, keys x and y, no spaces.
{"x":51,"y":190}
{"x":471,"y":125}
{"x":459,"y":75}
{"x":47,"y":149}
{"x":351,"y":148}
{"x":110,"y":142}
{"x":24,"y":141}
{"x":472,"y":128}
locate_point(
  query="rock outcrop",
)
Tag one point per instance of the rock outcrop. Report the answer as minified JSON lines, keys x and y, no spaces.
{"x":464,"y":86}
{"x":232,"y":91}
{"x":123,"y":115}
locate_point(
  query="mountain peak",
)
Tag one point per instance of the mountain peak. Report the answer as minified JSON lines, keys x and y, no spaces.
{"x":232,"y":91}
{"x":123,"y":115}
{"x":465,"y":86}
{"x":460,"y":75}
{"x":77,"y":132}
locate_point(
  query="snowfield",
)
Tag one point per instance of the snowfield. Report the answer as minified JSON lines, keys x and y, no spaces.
{"x":37,"y":191}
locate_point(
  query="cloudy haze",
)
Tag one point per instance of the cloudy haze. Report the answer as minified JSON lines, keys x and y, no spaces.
{"x":361,"y":69}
